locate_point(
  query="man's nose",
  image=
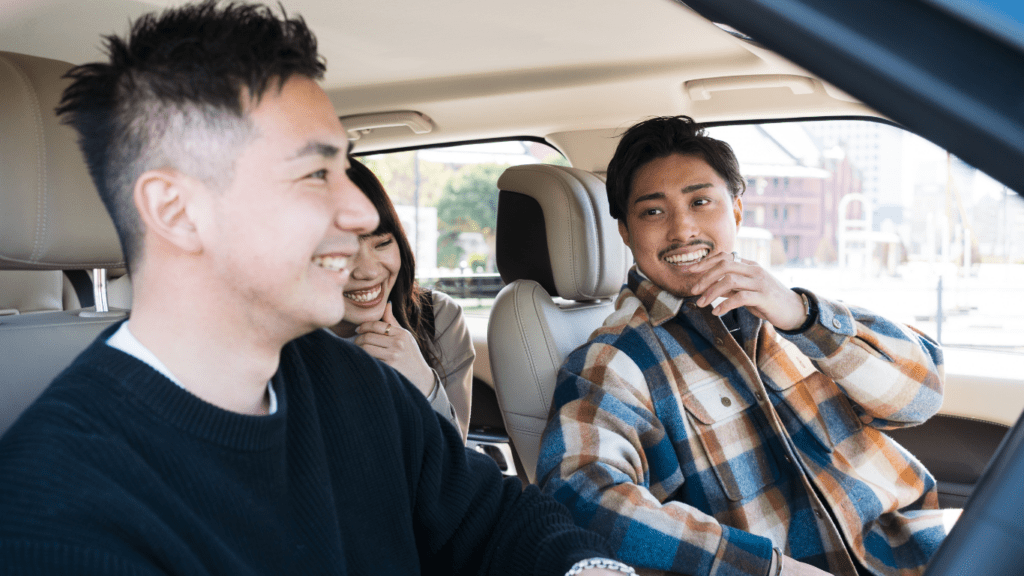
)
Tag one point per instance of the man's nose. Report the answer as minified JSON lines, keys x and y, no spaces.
{"x":355,"y":212}
{"x":684,"y":226}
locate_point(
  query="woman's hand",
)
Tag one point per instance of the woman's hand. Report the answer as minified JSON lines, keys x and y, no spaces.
{"x":745,"y":283}
{"x":388,"y":342}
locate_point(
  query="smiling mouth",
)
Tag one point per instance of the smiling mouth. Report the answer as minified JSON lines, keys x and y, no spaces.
{"x":688,"y":258}
{"x":366,"y":295}
{"x":331,"y":263}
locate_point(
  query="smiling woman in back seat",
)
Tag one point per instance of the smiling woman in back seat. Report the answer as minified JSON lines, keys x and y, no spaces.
{"x":420,"y":333}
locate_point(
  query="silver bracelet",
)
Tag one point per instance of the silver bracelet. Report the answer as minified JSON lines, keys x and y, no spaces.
{"x":599,"y":563}
{"x":778,"y":556}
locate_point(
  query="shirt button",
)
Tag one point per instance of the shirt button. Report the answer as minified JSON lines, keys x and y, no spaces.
{"x":836,"y":323}
{"x":719,"y":342}
{"x":726,"y":402}
{"x":817,"y":512}
{"x":690,"y":305}
{"x":759,"y":396}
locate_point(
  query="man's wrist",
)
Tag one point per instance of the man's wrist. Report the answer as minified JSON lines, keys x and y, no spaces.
{"x":810,"y":312}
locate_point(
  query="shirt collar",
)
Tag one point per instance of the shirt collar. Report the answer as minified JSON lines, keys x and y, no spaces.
{"x":661,"y":305}
{"x":125,"y":341}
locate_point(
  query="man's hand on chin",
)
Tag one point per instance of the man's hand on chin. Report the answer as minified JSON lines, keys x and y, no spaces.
{"x":745,"y":283}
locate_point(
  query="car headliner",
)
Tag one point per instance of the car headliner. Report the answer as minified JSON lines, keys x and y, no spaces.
{"x":572,"y":72}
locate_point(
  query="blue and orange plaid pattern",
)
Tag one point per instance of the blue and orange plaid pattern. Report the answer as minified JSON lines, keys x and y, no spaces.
{"x":690,"y":457}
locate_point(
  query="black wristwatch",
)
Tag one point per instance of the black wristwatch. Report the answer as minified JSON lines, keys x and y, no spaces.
{"x":810,"y":310}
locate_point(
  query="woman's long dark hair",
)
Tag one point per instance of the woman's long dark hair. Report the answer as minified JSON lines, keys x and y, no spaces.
{"x":408,"y":300}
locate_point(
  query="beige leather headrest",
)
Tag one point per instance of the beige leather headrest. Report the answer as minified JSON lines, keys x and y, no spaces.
{"x":554,"y":228}
{"x":50,"y":214}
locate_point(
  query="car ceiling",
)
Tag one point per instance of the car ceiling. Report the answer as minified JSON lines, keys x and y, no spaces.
{"x":573,"y":72}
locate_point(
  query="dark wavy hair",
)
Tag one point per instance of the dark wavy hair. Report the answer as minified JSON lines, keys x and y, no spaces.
{"x":409,"y":302}
{"x":175,"y":93}
{"x":660,"y":137}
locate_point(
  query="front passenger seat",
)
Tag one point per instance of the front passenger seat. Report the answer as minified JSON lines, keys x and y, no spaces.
{"x":561,"y":256}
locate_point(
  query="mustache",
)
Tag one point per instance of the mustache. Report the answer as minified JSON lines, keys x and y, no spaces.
{"x":710,"y":245}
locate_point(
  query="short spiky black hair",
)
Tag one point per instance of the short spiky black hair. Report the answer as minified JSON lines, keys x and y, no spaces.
{"x":174,"y":94}
{"x":660,"y":137}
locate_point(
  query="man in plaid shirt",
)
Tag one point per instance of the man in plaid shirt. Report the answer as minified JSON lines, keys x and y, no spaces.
{"x":721,"y":423}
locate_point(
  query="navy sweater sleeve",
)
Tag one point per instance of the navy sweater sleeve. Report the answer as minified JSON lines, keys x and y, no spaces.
{"x":467,"y":517}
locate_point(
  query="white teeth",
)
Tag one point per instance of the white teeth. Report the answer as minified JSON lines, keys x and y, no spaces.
{"x":364,"y":295}
{"x":332,"y":263}
{"x":687,"y":258}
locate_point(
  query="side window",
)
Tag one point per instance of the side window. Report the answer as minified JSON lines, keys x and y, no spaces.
{"x":873,"y":215}
{"x":447,"y":199}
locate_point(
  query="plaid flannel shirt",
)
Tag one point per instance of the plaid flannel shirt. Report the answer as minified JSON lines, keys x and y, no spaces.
{"x":666,"y":438}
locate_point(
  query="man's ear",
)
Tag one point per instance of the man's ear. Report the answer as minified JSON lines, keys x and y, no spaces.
{"x":623,"y":231}
{"x":162,"y":197}
{"x":737,"y":210}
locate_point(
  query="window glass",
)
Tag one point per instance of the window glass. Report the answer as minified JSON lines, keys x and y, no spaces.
{"x":859,"y":211}
{"x":880,"y":218}
{"x":447,"y":199}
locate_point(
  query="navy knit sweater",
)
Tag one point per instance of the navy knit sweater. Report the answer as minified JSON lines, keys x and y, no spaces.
{"x":116,"y":470}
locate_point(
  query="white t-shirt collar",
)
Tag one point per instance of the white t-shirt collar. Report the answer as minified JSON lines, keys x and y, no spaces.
{"x":126,"y":342}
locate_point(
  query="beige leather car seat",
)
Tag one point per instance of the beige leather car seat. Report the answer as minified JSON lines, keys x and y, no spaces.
{"x":50,"y":219}
{"x":119,"y":292}
{"x":562,"y":259}
{"x":30,"y":291}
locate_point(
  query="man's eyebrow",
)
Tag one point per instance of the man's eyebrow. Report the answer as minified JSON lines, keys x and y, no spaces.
{"x":695,"y":187}
{"x":659,"y":195}
{"x":318,"y":149}
{"x":651,"y":196}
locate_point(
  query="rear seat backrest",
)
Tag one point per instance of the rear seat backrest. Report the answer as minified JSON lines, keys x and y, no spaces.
{"x":119,"y":292}
{"x":561,"y":256}
{"x":50,"y":219}
{"x":28,"y":291}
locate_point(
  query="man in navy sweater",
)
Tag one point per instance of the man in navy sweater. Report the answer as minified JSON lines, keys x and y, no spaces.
{"x":219,"y":431}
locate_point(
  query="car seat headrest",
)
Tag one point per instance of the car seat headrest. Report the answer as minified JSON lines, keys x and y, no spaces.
{"x":51,"y":217}
{"x":554,"y":228}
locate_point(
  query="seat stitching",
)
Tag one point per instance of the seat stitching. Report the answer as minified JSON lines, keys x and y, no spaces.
{"x":41,"y":185}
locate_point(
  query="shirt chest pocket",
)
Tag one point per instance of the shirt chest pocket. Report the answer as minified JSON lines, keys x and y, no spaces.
{"x":727,"y":435}
{"x":811,"y":401}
